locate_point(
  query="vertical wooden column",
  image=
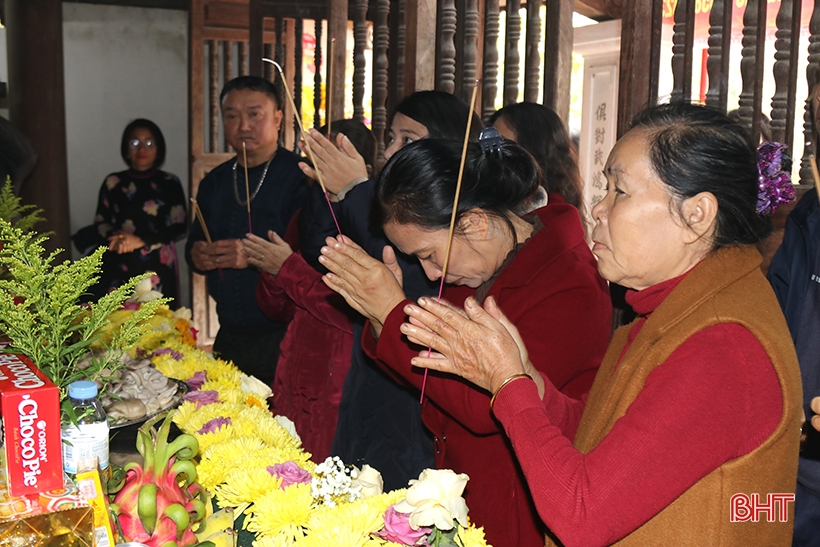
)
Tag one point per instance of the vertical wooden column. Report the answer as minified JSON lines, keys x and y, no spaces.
{"x":447,"y":47}
{"x":490,"y":70}
{"x":359,"y":60}
{"x":470,"y":55}
{"x":785,"y":72}
{"x":511,"y":56}
{"x":558,"y":57}
{"x":717,"y":64}
{"x":317,"y":75}
{"x":751,"y":67}
{"x":682,"y":39}
{"x":640,"y":59}
{"x":256,"y":37}
{"x":37,"y":107}
{"x":812,"y":79}
{"x":532,"y":56}
{"x":420,"y":47}
{"x":337,"y":28}
{"x":401,"y":52}
{"x":381,"y":41}
{"x":213,"y":96}
{"x":298,"y":33}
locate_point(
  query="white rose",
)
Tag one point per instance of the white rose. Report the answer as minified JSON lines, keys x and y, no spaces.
{"x":370,"y":480}
{"x":252,"y":384}
{"x":435,"y":499}
{"x":285,"y":422}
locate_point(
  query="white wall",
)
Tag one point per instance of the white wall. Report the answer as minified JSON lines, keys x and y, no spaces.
{"x":122,"y":63}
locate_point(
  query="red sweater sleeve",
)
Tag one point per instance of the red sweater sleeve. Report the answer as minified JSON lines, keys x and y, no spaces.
{"x":716,"y":398}
{"x":564,"y":325}
{"x":272,"y":300}
{"x":301,"y":284}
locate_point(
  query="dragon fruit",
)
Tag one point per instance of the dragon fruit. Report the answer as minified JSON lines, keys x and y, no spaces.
{"x":160,"y":500}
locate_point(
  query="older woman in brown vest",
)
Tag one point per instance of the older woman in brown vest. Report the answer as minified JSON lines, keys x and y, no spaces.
{"x":692,"y":426}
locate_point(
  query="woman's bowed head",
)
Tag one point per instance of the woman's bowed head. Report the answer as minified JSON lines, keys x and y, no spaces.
{"x":413,"y":203}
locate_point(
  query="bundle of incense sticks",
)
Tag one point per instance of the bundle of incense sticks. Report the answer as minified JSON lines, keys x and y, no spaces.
{"x":198,"y":215}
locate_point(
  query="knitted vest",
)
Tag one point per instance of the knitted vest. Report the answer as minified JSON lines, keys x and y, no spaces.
{"x":726,"y":287}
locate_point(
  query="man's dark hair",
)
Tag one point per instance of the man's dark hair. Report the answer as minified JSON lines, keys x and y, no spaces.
{"x":254,"y":83}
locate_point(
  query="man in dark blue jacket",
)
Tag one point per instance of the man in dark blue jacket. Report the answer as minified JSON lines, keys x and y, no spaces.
{"x":795,"y":278}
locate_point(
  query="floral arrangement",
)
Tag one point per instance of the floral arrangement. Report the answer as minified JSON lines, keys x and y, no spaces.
{"x":253,"y":461}
{"x":41,"y":314}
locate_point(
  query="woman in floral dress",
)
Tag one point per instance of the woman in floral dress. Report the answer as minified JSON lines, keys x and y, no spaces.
{"x":140,"y":214}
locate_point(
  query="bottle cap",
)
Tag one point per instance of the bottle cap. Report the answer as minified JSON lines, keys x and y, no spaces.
{"x":82,"y":389}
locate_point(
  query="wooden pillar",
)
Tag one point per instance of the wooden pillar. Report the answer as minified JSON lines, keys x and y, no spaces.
{"x":256,"y":37}
{"x":420,"y":48}
{"x":558,"y":57}
{"x":640,"y":59}
{"x":337,"y":28}
{"x":37,"y":107}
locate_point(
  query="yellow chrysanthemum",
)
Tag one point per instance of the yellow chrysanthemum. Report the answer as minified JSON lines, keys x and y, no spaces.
{"x":280,"y":540}
{"x":224,"y":386}
{"x":246,"y":485}
{"x":471,"y":537}
{"x":281,"y":511}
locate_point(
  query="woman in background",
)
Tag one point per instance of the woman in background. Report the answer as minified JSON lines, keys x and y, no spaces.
{"x":140,"y":214}
{"x":539,"y":131}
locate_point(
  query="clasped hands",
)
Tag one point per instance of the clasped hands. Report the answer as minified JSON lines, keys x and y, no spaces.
{"x":123,"y":242}
{"x":478,"y":344}
{"x":265,"y":255}
{"x":339,"y":163}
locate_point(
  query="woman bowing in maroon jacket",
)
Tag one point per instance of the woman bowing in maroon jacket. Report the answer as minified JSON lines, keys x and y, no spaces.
{"x":539,"y":269}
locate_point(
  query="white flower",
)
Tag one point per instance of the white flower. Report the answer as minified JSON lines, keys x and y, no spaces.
{"x":285,"y":422}
{"x":183,"y":313}
{"x":370,"y":481}
{"x":435,"y":499}
{"x":143,"y":292}
{"x":252,"y":384}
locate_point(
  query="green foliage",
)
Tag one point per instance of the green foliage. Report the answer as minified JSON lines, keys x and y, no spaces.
{"x":48,"y":324}
{"x":23,"y":217}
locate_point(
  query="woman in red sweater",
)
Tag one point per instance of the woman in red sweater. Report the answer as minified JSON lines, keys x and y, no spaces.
{"x":695,"y":411}
{"x":538,"y":267}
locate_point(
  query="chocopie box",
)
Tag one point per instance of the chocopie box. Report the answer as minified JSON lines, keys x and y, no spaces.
{"x":30,"y":412}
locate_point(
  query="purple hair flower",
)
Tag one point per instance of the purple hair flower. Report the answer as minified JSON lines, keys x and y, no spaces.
{"x":211,"y":426}
{"x":774,"y":183}
{"x":290,"y":473}
{"x":196,"y":381}
{"x":202,"y":398}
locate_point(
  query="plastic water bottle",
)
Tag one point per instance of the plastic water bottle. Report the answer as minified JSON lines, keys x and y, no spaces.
{"x":89,"y":438}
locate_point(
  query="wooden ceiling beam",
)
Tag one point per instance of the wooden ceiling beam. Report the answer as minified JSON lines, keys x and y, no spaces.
{"x":600,"y":10}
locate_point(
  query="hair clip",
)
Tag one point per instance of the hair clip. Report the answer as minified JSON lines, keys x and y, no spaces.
{"x":774,"y":181}
{"x":491,"y":141}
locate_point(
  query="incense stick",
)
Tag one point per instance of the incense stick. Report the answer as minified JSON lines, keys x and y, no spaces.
{"x":198,"y":215}
{"x":815,"y":174}
{"x":329,"y":91}
{"x":307,"y":143}
{"x":247,"y":186}
{"x":453,"y":217}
